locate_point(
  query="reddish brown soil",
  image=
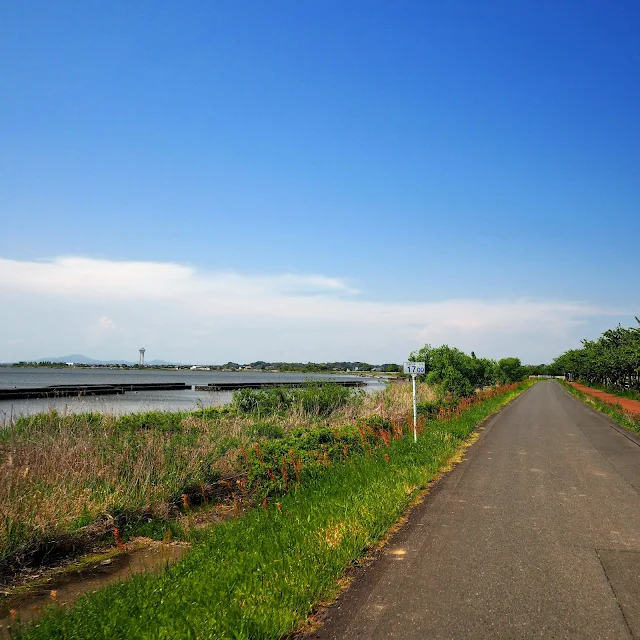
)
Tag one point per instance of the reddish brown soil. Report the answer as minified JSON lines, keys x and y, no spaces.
{"x":628,"y":406}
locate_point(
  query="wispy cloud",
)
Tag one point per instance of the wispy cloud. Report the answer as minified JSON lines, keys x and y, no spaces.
{"x":184,"y":313}
{"x":70,"y":276}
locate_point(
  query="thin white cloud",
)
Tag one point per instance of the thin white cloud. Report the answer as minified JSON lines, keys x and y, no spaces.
{"x":105,"y":324}
{"x":182,"y":313}
{"x":71,"y":276}
{"x":100,"y":332}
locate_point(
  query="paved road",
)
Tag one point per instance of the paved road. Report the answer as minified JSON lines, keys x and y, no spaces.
{"x":536,"y":534}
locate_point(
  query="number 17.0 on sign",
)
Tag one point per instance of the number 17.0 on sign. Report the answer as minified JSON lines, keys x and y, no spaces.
{"x":414,"y":367}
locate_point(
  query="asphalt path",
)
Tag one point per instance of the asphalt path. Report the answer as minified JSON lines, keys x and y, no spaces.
{"x":535,"y":534}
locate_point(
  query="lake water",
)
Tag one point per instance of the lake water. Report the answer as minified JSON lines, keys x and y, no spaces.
{"x":132,"y":401}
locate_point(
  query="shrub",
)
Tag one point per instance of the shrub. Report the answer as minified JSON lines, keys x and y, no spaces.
{"x":321,"y":399}
{"x":267,"y":430}
{"x":261,"y":401}
{"x":227,"y":444}
{"x":314,"y":398}
{"x":453,"y":372}
{"x":157,"y":420}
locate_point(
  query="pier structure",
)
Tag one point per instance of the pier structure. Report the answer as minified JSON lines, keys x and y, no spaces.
{"x":67,"y":391}
{"x":236,"y":386}
{"x":142,"y":350}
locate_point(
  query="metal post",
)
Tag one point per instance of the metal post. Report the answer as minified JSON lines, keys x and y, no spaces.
{"x":415,"y":409}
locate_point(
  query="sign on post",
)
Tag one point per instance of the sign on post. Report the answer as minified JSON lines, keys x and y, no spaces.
{"x":415,"y":369}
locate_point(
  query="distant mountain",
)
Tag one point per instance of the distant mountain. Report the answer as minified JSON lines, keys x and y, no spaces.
{"x":78,"y":358}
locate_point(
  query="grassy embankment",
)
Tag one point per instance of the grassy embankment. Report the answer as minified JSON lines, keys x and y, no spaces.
{"x":622,"y":417}
{"x":335,"y":492}
{"x":66,"y":480}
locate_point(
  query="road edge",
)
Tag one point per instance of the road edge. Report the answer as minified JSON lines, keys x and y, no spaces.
{"x":622,"y":429}
{"x":452,"y":471}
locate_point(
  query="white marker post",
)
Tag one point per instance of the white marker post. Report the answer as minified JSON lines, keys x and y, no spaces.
{"x":415,"y":369}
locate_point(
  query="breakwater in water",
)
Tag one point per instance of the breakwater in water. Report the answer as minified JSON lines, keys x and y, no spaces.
{"x":66,"y":391}
{"x":236,"y":386}
{"x":141,"y":390}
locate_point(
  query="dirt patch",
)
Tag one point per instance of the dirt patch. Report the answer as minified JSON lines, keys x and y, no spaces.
{"x":628,"y":406}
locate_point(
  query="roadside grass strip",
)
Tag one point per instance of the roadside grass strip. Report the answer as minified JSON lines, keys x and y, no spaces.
{"x":261,"y":575}
{"x":614,"y":411}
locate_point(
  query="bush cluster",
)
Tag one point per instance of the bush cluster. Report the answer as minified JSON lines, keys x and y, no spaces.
{"x":315,"y":398}
{"x":457,"y":374}
{"x":273,"y":466}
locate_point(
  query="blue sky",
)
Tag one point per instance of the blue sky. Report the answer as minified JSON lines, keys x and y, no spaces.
{"x":410,"y":154}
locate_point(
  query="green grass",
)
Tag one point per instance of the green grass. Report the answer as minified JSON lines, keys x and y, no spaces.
{"x":261,"y":576}
{"x":615,"y":411}
{"x":315,"y":398}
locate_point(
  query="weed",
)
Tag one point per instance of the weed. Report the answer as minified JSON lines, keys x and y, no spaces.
{"x":267,"y":430}
{"x":318,"y":399}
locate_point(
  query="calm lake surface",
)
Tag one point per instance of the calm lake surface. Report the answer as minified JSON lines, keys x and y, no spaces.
{"x":131,"y":401}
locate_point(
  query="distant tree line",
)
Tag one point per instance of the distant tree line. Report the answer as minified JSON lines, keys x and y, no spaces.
{"x":455,"y":373}
{"x":612,"y":360}
{"x":81,"y":365}
{"x":312,"y":367}
{"x":259,"y":365}
{"x":44,"y":363}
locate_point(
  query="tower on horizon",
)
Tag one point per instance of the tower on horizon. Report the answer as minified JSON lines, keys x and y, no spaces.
{"x":142,"y":356}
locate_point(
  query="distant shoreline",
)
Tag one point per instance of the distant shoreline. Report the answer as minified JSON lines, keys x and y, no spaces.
{"x":293,"y":368}
{"x":169,"y":400}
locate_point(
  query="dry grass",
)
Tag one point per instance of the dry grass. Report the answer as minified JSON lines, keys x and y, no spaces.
{"x":61,"y":472}
{"x":67,"y":477}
